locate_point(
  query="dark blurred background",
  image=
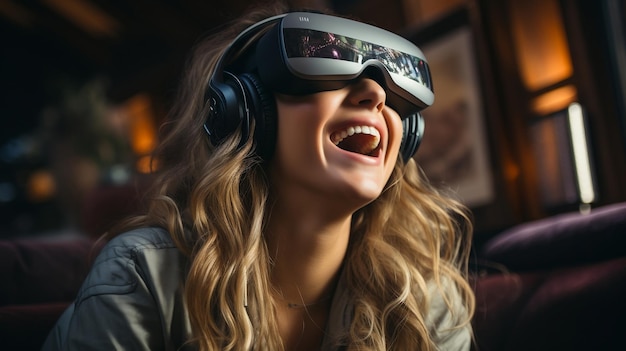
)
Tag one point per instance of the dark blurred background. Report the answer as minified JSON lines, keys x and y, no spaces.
{"x":86,"y":83}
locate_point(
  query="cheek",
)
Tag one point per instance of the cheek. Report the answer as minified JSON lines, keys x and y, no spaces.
{"x":394,"y":125}
{"x":297,"y":129}
{"x":291,"y":120}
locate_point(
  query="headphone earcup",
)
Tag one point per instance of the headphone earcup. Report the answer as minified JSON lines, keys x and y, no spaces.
{"x":413,"y":131}
{"x":227,"y":110}
{"x":263,"y":109}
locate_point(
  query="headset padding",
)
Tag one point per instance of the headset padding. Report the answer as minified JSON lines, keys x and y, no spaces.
{"x":263,"y":109}
{"x":413,"y":131}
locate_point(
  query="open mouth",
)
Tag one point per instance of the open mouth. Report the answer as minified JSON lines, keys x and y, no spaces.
{"x":363,"y":140}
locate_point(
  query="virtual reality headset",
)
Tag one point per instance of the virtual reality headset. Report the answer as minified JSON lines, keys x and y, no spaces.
{"x":307,"y":52}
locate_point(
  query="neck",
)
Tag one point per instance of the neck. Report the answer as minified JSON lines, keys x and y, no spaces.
{"x":307,"y":261}
{"x":307,"y":250}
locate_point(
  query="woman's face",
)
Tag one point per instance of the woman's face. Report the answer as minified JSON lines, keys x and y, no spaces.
{"x":341,"y":144}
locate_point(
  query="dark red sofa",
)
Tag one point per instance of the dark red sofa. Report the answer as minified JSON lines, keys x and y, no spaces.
{"x":554,"y":284}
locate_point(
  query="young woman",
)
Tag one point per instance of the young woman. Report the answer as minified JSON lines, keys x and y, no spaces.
{"x":287,"y":211}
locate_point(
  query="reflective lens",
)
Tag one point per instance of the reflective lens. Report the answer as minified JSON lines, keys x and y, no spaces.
{"x":318,"y":44}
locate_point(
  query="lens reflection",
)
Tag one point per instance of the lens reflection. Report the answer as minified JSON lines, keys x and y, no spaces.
{"x":312,"y":43}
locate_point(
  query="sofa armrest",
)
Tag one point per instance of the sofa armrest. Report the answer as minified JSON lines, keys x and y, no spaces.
{"x":561,"y":240}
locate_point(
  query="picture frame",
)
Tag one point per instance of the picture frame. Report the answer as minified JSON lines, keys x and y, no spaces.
{"x":454,"y":153}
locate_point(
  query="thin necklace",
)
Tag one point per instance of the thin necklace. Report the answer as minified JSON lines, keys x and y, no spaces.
{"x":302,"y":304}
{"x":294,"y":305}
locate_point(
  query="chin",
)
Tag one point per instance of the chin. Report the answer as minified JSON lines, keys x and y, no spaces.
{"x":362,"y":193}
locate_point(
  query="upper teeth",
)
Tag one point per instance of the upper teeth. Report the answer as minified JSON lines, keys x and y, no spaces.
{"x":350,"y":131}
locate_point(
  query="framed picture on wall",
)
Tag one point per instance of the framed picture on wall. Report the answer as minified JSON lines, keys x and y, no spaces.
{"x":454,"y":153}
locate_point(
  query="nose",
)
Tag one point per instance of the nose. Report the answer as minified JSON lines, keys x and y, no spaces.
{"x":366,"y":92}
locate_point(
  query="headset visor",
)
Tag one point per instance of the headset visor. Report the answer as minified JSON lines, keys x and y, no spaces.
{"x":312,"y":43}
{"x":319,"y":52}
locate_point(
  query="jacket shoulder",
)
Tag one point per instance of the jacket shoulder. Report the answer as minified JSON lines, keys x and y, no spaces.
{"x":121,"y":261}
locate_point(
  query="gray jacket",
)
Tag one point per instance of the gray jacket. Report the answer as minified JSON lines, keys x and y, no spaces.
{"x":132,"y":300}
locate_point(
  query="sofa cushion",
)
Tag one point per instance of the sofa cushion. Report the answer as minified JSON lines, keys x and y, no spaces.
{"x":577,"y":308}
{"x":500,"y":298}
{"x":561,"y":240}
{"x":39,"y":270}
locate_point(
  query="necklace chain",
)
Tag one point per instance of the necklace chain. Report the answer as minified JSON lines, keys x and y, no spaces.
{"x":294,"y":305}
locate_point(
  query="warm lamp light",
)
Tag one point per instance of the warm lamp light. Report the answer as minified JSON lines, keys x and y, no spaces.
{"x":540,"y":42}
{"x":41,"y":186}
{"x":146,"y":164}
{"x":142,"y":130}
{"x":554,"y":100}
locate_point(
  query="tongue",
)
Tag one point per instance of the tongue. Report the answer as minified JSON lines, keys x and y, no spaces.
{"x":359,"y":143}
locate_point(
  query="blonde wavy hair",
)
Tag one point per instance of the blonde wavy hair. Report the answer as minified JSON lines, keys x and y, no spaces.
{"x":213,"y":202}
